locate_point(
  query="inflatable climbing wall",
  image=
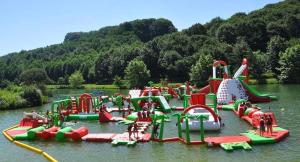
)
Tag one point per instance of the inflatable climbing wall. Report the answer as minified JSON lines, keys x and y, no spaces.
{"x":134,"y":93}
{"x":230,"y":89}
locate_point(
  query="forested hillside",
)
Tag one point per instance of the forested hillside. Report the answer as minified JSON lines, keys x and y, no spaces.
{"x":269,"y":38}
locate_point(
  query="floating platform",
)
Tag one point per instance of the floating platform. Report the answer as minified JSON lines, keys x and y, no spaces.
{"x":18,"y":130}
{"x":82,"y":117}
{"x":229,"y":107}
{"x":118,"y":138}
{"x":122,"y":142}
{"x":19,"y":133}
{"x":236,"y":145}
{"x":125,"y":137}
{"x":216,"y":141}
{"x":277,"y":135}
{"x":103,"y":137}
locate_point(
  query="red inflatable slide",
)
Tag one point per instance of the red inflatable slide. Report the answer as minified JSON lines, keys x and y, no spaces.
{"x":172,"y":92}
{"x":27,"y":122}
{"x":105,"y":116}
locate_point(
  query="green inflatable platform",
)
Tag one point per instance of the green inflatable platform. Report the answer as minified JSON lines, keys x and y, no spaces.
{"x":235,"y":145}
{"x":257,"y":139}
{"x":228,"y":107}
{"x":32,"y":132}
{"x":123,"y":142}
{"x":82,"y":117}
{"x":60,"y":135}
{"x":23,"y":136}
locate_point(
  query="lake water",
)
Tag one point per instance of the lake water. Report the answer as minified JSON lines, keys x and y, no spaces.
{"x":286,"y":109}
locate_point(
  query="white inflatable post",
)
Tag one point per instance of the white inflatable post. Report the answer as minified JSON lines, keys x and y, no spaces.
{"x":150,"y":94}
{"x":91,"y":105}
{"x":214,"y":72}
{"x":239,"y":71}
{"x":226,"y":70}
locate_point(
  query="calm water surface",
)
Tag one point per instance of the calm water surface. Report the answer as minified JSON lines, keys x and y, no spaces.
{"x":286,"y":109}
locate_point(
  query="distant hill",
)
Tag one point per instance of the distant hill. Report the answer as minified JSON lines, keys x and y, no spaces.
{"x":102,"y":54}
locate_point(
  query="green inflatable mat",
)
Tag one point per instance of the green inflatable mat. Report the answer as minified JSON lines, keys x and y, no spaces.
{"x":278,"y":129}
{"x":83,"y":117}
{"x":121,"y":142}
{"x":257,"y":139}
{"x":32,"y":132}
{"x":60,"y":135}
{"x":235,"y":145}
{"x":228,"y":107}
{"x":23,"y":136}
{"x":248,"y":110}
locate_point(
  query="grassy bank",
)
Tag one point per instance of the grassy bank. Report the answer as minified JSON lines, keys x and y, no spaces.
{"x":170,"y":84}
{"x":264,"y":81}
{"x":99,"y":86}
{"x":85,"y":86}
{"x":266,"y":78}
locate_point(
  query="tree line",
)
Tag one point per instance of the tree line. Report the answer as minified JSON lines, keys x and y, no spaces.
{"x":268,"y":37}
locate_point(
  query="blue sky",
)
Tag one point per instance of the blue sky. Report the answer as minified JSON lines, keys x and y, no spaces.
{"x":29,"y":24}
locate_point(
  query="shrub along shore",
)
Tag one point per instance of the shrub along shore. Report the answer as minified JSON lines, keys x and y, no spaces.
{"x":14,"y":97}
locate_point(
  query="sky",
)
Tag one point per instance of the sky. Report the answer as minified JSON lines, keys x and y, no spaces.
{"x":29,"y":24}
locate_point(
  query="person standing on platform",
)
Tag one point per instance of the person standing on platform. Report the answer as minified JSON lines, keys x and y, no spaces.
{"x":269,"y":124}
{"x":261,"y":126}
{"x":61,"y":120}
{"x":155,"y":130}
{"x":129,"y":129}
{"x":136,"y":130}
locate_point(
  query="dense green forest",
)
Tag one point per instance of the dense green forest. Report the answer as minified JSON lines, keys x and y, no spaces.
{"x":268,"y":37}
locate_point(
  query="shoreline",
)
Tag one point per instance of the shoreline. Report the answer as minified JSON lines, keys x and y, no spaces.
{"x":85,"y":86}
{"x":111,"y":86}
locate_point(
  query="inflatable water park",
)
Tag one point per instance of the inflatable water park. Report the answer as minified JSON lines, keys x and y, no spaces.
{"x":143,"y":113}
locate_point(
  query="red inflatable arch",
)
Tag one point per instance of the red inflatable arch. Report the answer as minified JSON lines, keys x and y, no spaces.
{"x":155,"y":92}
{"x":216,"y":64}
{"x":84,"y":102}
{"x":219,"y":62}
{"x":204,"y":107}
